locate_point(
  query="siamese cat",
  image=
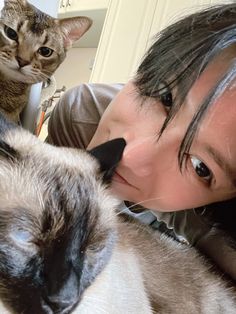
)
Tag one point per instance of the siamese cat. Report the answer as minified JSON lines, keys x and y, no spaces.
{"x":32,"y":46}
{"x":65,"y":249}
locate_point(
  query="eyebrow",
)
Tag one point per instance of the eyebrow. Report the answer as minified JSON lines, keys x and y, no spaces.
{"x":222,"y":163}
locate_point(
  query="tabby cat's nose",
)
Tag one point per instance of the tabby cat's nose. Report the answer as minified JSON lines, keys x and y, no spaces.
{"x":22,"y":62}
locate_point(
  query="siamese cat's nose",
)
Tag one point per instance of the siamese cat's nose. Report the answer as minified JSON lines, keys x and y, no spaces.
{"x":58,"y":306}
{"x":64,"y":294}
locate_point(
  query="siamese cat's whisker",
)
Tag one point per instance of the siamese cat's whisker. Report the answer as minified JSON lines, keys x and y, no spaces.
{"x":144,"y":201}
{"x":120,"y":211}
{"x":61,"y":239}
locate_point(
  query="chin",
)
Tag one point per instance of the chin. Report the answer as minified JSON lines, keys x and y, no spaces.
{"x":18,"y":76}
{"x":21,"y":77}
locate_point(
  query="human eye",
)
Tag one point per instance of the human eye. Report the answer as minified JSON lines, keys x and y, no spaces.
{"x":201,"y":169}
{"x":165,"y":95}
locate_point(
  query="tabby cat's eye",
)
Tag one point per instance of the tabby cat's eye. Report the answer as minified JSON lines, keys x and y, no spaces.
{"x":10,"y":33}
{"x":165,"y":95}
{"x":45,"y":51}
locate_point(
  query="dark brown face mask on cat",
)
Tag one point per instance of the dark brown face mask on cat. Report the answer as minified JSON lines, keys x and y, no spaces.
{"x":56,"y":230}
{"x":64,"y":248}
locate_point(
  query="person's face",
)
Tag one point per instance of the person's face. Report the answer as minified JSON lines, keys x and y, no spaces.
{"x":149,"y":171}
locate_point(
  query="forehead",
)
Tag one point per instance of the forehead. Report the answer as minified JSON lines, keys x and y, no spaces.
{"x":41,"y":172}
{"x":213,"y":73}
{"x":33,"y":26}
{"x":203,"y":86}
{"x":17,"y":14}
{"x":215,"y":130}
{"x":219,"y":124}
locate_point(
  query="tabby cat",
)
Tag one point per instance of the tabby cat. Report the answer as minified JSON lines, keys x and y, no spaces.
{"x":64,"y":249}
{"x":32,"y":46}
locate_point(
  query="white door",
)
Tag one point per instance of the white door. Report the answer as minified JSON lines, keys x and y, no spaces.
{"x":129,"y":29}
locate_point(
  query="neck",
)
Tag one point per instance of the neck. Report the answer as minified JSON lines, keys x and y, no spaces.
{"x":5,"y":81}
{"x":14,"y":97}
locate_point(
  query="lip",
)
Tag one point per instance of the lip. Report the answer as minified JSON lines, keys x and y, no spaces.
{"x":118,"y":178}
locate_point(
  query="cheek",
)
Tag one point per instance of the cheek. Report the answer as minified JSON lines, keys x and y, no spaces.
{"x":8,"y":54}
{"x":39,"y":65}
{"x":35,"y":63}
{"x":176,"y":194}
{"x":7,"y":44}
{"x":139,"y":155}
{"x":47,"y":66}
{"x":180,"y":190}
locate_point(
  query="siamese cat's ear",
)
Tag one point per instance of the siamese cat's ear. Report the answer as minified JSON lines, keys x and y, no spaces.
{"x":108,"y":155}
{"x":7,"y":151}
{"x":73,"y":28}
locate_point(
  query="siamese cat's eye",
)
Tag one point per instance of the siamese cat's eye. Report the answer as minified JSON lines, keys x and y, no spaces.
{"x":10,"y":33}
{"x":165,"y":95}
{"x":201,"y":169}
{"x":45,"y":51}
{"x":21,"y":237}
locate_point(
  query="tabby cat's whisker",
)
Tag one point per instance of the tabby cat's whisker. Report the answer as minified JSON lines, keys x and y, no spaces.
{"x":18,"y":75}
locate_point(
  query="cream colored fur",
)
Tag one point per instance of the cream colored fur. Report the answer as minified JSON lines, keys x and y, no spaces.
{"x":147,"y":272}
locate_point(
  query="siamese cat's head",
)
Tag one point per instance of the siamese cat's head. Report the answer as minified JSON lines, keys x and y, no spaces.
{"x":32,"y":43}
{"x":57,"y":221}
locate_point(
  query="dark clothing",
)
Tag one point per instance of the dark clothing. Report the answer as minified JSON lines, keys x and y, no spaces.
{"x":73,"y":123}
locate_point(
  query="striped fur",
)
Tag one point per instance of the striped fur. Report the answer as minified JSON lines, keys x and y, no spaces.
{"x":24,"y":30}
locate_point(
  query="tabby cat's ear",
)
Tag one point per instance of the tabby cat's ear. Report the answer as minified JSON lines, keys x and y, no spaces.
{"x":15,"y":2}
{"x":73,"y":28}
{"x":108,"y":155}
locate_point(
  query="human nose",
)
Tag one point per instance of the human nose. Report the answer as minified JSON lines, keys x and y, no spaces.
{"x":139,"y":156}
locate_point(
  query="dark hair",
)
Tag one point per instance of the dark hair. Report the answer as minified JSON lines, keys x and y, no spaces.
{"x":180,"y":54}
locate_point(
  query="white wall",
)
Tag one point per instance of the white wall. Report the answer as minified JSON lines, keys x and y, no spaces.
{"x":49,"y":6}
{"x":76,"y":67}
